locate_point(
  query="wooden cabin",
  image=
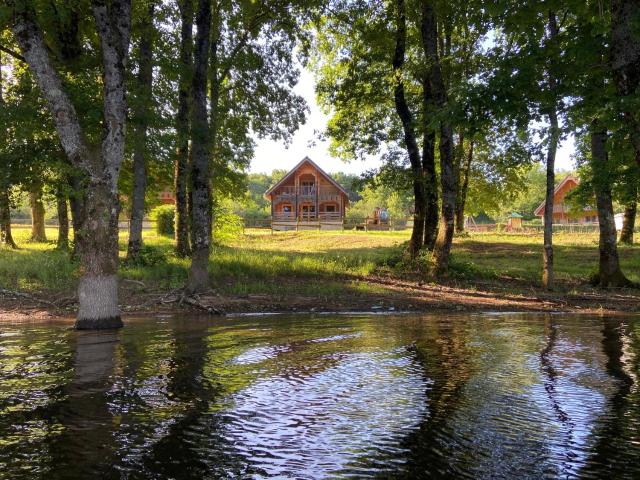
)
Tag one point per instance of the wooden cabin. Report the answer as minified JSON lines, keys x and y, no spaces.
{"x":561,"y":212}
{"x":307,"y":198}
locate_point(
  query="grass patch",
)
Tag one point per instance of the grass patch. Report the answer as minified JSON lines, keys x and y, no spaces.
{"x":312,"y":262}
{"x":520,"y":256}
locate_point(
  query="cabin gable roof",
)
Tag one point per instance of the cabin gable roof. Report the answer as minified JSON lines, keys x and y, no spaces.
{"x":569,"y":178}
{"x":297,"y":167}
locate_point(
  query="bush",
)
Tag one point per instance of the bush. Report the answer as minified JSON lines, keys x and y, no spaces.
{"x":147,"y":257}
{"x":164,"y":216}
{"x":226,"y":225}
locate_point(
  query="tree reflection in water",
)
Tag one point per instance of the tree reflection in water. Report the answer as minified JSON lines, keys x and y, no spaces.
{"x":484,"y":396}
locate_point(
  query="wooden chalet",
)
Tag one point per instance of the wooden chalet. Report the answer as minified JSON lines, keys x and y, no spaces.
{"x":562,"y":214}
{"x":307,"y":198}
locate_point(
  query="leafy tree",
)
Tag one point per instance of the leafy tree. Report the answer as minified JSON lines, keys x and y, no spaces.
{"x":251,"y":72}
{"x":142,"y":105}
{"x":100,"y":165}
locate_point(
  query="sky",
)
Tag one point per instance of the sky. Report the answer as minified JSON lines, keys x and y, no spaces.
{"x":274,"y":154}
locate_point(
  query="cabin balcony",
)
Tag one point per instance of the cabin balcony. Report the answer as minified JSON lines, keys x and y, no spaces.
{"x":306,"y":193}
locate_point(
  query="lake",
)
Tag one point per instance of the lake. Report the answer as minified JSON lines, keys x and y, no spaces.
{"x":325,"y":396}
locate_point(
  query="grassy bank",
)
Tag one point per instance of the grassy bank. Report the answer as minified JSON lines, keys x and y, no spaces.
{"x":314,"y":263}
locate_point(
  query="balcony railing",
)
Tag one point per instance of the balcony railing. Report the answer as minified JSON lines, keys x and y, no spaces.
{"x":324,"y":194}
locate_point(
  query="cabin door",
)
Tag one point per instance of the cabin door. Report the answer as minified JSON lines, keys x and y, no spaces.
{"x":307,"y":212}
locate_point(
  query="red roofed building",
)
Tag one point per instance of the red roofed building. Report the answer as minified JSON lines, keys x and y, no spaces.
{"x":307,"y":198}
{"x":561,"y":211}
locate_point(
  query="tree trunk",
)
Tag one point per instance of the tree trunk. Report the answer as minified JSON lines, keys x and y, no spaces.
{"x":182,"y":163}
{"x":554,"y":137}
{"x":547,"y":253}
{"x":63,"y":220}
{"x":625,"y":61}
{"x":629,"y":223}
{"x":463,"y":188}
{"x":5,"y":204}
{"x":38,"y":231}
{"x":141,"y":123}
{"x":5,"y":220}
{"x":98,"y":235}
{"x":429,"y":168}
{"x":406,"y":118}
{"x":609,"y":274}
{"x":76,"y":199}
{"x":200,"y":173}
{"x":442,"y":247}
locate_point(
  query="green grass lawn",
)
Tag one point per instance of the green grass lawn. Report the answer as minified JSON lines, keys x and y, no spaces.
{"x":519,"y":256}
{"x":312,"y":262}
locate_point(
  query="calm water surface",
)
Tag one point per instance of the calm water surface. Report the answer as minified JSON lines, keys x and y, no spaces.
{"x":476,"y":396}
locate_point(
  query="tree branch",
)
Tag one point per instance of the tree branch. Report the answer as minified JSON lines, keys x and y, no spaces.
{"x":65,"y":118}
{"x":15,"y":55}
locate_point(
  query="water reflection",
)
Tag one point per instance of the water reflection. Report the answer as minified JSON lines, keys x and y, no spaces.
{"x":508,"y":396}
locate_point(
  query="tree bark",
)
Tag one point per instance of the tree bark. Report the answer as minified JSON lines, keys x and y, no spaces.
{"x":629,"y":223}
{"x":609,"y":274}
{"x":38,"y":230}
{"x":200,"y":170}
{"x":6,"y":237}
{"x":554,"y":137}
{"x":98,"y":234}
{"x":463,"y":188}
{"x":442,"y":247}
{"x":182,"y":164}
{"x":5,"y":220}
{"x":63,"y":220}
{"x":429,"y":169}
{"x":141,"y":124}
{"x":547,"y":253}
{"x":76,"y":198}
{"x":625,"y":60}
{"x":406,"y":118}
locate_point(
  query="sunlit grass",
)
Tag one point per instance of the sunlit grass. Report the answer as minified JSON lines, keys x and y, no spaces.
{"x":311,"y":262}
{"x":520,"y":256}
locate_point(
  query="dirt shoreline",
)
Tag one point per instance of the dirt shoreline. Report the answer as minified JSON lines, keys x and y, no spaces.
{"x":397,"y":295}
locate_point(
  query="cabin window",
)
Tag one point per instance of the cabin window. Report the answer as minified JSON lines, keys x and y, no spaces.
{"x":286,"y":209}
{"x":308,"y":208}
{"x":330,"y":208}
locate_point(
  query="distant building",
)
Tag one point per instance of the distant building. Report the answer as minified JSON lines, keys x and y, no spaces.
{"x":166,"y":196}
{"x":307,"y":198}
{"x":561,"y":211}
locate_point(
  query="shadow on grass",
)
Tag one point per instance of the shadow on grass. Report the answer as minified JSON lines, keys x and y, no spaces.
{"x":523,"y":261}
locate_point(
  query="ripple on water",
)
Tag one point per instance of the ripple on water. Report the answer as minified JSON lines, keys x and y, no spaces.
{"x":509,"y":396}
{"x":332,"y":421}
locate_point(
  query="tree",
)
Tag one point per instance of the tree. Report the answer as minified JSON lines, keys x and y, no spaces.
{"x":6,"y":237}
{"x":181,"y":175}
{"x":552,"y":140}
{"x":625,"y":64}
{"x":98,"y":233}
{"x":142,"y":106}
{"x":200,"y":151}
{"x":609,"y":274}
{"x":429,"y":30}
{"x":250,"y":75}
{"x":406,"y":118}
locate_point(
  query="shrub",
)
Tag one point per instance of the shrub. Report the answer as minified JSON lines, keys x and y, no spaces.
{"x":147,"y":257}
{"x":226,"y":225}
{"x":164,"y":216}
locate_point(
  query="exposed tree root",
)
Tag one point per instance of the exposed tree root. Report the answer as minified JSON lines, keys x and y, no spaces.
{"x":183,"y":298}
